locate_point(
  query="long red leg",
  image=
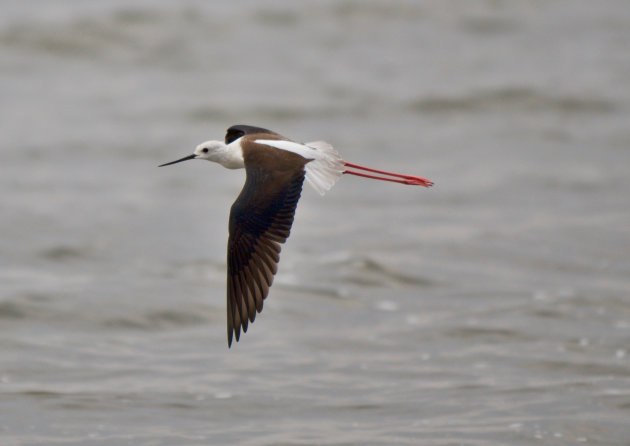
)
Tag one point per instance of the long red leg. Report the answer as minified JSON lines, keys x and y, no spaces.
{"x":406,"y":179}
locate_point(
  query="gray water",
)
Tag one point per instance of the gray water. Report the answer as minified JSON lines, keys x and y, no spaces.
{"x":492,"y":309}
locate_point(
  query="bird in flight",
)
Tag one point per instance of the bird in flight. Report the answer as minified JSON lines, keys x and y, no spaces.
{"x":262,"y":215}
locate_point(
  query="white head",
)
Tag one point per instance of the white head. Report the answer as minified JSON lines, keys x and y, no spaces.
{"x":229,"y":156}
{"x":210,"y":150}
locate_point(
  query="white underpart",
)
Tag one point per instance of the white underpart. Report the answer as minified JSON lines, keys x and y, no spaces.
{"x":326,"y":165}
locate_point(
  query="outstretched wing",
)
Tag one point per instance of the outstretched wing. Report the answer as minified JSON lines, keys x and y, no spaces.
{"x":238,"y":130}
{"x":260,"y":220}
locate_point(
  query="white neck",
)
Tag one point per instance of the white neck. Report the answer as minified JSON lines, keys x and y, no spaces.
{"x":231,"y":156}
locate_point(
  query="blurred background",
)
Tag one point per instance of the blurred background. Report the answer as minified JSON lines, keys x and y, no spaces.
{"x":491,"y":309}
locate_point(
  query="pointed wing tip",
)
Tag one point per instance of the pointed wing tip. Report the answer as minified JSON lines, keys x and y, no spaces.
{"x":233,"y":335}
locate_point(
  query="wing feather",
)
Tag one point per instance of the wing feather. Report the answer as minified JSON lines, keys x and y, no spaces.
{"x":260,"y":221}
{"x":239,"y":130}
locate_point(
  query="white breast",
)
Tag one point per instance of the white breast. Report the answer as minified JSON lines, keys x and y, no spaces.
{"x":326,"y":165}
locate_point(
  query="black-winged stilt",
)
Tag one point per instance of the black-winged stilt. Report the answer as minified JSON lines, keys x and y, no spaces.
{"x":262,"y":215}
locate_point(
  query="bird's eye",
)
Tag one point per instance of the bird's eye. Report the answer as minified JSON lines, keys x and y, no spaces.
{"x":204,"y":150}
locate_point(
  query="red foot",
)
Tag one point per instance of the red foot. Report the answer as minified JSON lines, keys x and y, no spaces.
{"x":406,"y":179}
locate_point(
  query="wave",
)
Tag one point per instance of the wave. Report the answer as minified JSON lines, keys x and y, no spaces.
{"x":512,"y":99}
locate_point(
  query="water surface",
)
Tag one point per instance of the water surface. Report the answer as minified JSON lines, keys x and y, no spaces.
{"x":491,"y":309}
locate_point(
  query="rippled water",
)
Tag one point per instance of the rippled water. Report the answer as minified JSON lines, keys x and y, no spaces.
{"x":492,"y":309}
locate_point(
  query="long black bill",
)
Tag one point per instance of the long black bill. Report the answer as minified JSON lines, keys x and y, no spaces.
{"x":186,"y":158}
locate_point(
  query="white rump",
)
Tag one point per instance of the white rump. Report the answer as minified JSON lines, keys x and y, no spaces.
{"x":326,"y":165}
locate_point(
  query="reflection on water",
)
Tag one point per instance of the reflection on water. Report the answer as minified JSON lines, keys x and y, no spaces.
{"x":490,"y":309}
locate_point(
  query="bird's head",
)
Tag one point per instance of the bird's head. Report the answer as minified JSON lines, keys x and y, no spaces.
{"x":209,"y":150}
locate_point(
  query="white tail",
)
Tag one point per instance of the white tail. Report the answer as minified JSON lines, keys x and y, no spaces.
{"x":326,"y":167}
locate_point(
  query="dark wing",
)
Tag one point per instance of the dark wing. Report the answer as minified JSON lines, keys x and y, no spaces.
{"x":260,"y":220}
{"x":236,"y":131}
